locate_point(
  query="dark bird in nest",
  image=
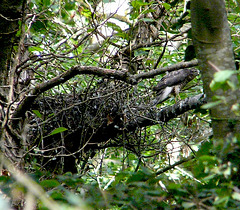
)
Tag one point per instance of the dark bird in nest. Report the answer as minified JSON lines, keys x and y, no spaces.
{"x":172,"y":83}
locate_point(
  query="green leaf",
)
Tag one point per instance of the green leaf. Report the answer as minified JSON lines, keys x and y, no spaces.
{"x":231,"y":85}
{"x":148,"y":11}
{"x":208,"y":158}
{"x":32,"y":49}
{"x":37,"y":113}
{"x":205,"y":148}
{"x":137,"y":177}
{"x":123,"y":35}
{"x":221,"y":200}
{"x":114,"y":26}
{"x":49,"y":183}
{"x":39,"y":25}
{"x":222,"y":76}
{"x":90,"y":30}
{"x":167,"y":6}
{"x":86,"y":13}
{"x":208,"y":178}
{"x":58,"y":130}
{"x":221,"y":80}
{"x":236,"y":196}
{"x":148,"y":20}
{"x":46,"y":3}
{"x":57,"y":195}
{"x":187,"y":205}
{"x":108,"y":1}
{"x":138,"y":4}
{"x":211,"y":104}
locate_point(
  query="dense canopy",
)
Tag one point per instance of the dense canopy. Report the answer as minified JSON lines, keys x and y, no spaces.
{"x":128,"y":104}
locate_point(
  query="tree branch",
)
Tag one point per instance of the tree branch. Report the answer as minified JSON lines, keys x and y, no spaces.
{"x":151,"y":118}
{"x":92,"y":70}
{"x":41,"y":88}
{"x":167,"y":113}
{"x":174,"y":165}
{"x":158,"y":71}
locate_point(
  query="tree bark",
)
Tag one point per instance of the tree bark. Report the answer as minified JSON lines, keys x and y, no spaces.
{"x":10,"y":15}
{"x":212,"y":42}
{"x":11,"y":20}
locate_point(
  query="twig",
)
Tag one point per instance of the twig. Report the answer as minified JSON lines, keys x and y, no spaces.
{"x":160,"y":57}
{"x":174,"y":165}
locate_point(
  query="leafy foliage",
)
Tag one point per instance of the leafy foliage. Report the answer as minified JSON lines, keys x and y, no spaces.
{"x":125,"y":172}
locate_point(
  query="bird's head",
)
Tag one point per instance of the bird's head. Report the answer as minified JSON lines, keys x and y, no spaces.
{"x":193,"y":73}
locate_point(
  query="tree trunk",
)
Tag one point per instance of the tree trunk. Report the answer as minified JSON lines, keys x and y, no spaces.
{"x":211,"y":37}
{"x":11,"y":20}
{"x":11,"y":14}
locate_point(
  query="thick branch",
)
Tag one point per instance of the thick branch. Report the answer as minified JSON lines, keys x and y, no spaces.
{"x":103,"y":72}
{"x":91,"y":70}
{"x":113,"y":130}
{"x":168,"y":113}
{"x":158,"y":71}
{"x":41,"y":88}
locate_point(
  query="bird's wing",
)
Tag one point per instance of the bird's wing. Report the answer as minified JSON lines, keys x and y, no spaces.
{"x":175,"y":80}
{"x":163,"y":95}
{"x":171,"y":79}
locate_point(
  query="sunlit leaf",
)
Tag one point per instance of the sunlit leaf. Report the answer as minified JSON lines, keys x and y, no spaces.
{"x":31,"y":49}
{"x":148,"y":20}
{"x":86,"y":12}
{"x":58,"y":130}
{"x":108,"y":1}
{"x":236,"y":196}
{"x":222,"y":76}
{"x":211,"y":104}
{"x":219,"y":200}
{"x":37,"y":113}
{"x":167,"y":6}
{"x":188,"y":205}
